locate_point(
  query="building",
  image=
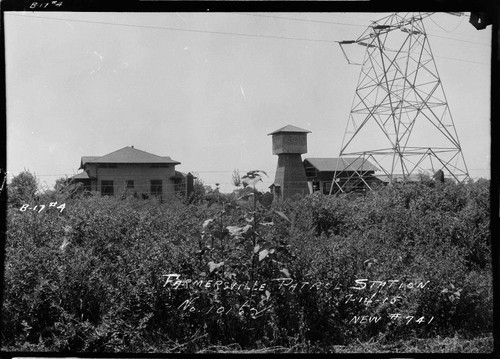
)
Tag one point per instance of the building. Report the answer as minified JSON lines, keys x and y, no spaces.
{"x":289,"y":143}
{"x":320,"y":173}
{"x":129,"y":171}
{"x":399,"y":178}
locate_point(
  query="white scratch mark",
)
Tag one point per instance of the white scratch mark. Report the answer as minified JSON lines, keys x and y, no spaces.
{"x":100,"y":56}
{"x":182,"y":18}
{"x":99,"y":66}
{"x":243,"y":93}
{"x":70,"y":26}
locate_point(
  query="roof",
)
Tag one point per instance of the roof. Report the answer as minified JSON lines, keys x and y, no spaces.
{"x":290,"y":128}
{"x":82,"y":175}
{"x":86,"y":159}
{"x":128,"y":155}
{"x":342,"y":164}
{"x":179,"y":175}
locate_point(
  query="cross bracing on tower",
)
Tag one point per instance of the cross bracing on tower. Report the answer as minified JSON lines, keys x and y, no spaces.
{"x":399,"y":120}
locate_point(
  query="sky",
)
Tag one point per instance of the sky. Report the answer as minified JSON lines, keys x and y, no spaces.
{"x":207,"y":88}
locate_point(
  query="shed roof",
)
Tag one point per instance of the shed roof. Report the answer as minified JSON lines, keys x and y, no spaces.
{"x":81,"y":175}
{"x":290,"y":128}
{"x":178,"y":175}
{"x":342,"y":164}
{"x":128,"y":155}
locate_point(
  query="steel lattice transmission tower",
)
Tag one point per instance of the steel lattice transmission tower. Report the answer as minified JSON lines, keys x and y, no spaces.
{"x":399,"y":120}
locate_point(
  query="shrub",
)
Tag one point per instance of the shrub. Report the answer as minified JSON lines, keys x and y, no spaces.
{"x":90,"y":278}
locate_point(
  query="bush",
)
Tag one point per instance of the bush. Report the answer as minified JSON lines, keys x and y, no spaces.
{"x":91,"y":278}
{"x":22,"y":188}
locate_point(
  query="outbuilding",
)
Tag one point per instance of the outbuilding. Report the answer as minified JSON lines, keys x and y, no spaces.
{"x":352,"y":174}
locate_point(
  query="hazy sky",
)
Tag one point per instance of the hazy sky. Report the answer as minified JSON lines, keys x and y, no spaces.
{"x":177,"y":84}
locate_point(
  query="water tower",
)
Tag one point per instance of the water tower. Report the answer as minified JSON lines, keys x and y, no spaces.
{"x":289,"y":143}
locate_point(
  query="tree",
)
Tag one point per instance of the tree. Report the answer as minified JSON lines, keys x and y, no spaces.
{"x":61,"y":183}
{"x":64,"y":188}
{"x":23,"y":188}
{"x":199,"y":190}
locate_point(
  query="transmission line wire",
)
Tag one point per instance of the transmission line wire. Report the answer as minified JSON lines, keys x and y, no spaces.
{"x":179,"y":29}
{"x":295,"y":19}
{"x":347,"y":24}
{"x":232,"y":33}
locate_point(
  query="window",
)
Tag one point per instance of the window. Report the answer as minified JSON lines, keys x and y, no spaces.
{"x":107,"y":188}
{"x":315,"y":186}
{"x":156,"y":188}
{"x":277,"y":190}
{"x":86,"y":186}
{"x":129,"y":183}
{"x":180,"y":185}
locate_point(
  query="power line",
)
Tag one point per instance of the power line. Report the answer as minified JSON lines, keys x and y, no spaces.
{"x":141,"y":173}
{"x":452,"y":38}
{"x":178,"y":29}
{"x":461,"y":60}
{"x":227,"y":33}
{"x":295,"y":19}
{"x":239,"y":34}
{"x":442,"y":28}
{"x":347,"y":24}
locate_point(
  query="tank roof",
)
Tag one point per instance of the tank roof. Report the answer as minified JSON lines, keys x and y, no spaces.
{"x":289,"y":128}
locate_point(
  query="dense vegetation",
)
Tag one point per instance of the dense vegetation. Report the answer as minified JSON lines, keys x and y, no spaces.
{"x":92,"y":277}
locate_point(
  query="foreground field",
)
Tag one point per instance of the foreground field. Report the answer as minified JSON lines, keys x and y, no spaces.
{"x":416,"y":345}
{"x":400,"y":269}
